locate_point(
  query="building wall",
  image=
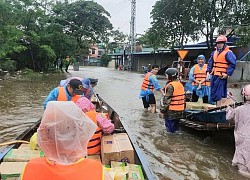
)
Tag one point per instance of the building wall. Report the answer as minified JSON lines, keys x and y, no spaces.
{"x":162,"y":60}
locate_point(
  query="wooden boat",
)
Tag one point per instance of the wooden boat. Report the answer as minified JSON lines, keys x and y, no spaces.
{"x":101,"y":106}
{"x":209,"y":120}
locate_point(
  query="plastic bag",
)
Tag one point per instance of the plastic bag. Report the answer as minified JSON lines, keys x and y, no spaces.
{"x":33,"y":142}
{"x":106,"y":125}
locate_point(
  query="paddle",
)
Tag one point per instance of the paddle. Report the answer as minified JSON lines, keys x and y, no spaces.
{"x":14,"y":142}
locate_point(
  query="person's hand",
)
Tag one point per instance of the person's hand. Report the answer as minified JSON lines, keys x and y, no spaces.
{"x":208,"y":76}
{"x":224,"y":76}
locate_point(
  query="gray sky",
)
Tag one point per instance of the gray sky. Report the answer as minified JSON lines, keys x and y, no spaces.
{"x":120,"y":11}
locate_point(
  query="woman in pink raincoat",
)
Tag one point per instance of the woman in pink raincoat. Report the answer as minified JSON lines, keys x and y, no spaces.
{"x":241,"y":117}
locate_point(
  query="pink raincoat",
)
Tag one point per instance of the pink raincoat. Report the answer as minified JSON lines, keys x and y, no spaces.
{"x":241,"y":117}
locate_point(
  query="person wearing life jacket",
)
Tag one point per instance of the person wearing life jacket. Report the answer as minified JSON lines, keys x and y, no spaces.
{"x":71,"y":92}
{"x":241,"y":119}
{"x":149,"y":84}
{"x":221,"y":65}
{"x":174,"y":101}
{"x":103,"y":125}
{"x":200,"y":82}
{"x":63,"y":136}
{"x":86,"y":85}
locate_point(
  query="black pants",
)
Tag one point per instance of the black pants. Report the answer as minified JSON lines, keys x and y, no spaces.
{"x":195,"y":98}
{"x":151,"y":100}
{"x":66,"y":68}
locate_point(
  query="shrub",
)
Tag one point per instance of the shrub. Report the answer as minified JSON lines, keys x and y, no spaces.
{"x":8,"y":65}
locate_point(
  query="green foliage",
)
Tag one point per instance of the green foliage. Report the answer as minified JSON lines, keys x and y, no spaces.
{"x":8,"y":65}
{"x":244,"y":34}
{"x":29,"y":74}
{"x":105,"y":60}
{"x":174,"y":21}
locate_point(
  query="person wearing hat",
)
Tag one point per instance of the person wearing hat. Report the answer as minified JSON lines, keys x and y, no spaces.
{"x":71,"y":92}
{"x":199,"y":79}
{"x":63,"y":136}
{"x":221,"y":65}
{"x":86,"y":84}
{"x":173,"y":103}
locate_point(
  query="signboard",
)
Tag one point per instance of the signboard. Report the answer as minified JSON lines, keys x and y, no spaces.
{"x":182,"y":53}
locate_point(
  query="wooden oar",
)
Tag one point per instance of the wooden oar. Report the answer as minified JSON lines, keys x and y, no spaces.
{"x":14,"y":142}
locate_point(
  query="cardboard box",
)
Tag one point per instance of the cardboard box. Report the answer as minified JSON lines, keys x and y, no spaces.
{"x":96,"y":157}
{"x":117,"y":147}
{"x":225,"y":102}
{"x":24,"y":147}
{"x":197,"y":106}
{"x":11,"y":170}
{"x":22,"y":155}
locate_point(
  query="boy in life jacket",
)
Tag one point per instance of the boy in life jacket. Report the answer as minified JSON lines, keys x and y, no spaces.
{"x":149,"y":84}
{"x":63,"y":135}
{"x":221,"y":65}
{"x":103,"y":124}
{"x":199,"y":79}
{"x":173,"y":101}
{"x":71,"y":92}
{"x":240,"y":116}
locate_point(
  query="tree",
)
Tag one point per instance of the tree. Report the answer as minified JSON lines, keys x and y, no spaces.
{"x":176,"y":21}
{"x":86,"y":21}
{"x":173,"y":22}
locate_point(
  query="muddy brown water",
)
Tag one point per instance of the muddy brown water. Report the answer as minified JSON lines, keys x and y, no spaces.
{"x":187,"y":155}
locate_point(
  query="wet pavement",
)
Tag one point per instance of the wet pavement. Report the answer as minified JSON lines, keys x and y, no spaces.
{"x":186,"y":155}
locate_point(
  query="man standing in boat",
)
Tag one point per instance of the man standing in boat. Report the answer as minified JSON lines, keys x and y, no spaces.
{"x":150,"y":83}
{"x":221,"y":65}
{"x":200,"y":81}
{"x":173,"y":101}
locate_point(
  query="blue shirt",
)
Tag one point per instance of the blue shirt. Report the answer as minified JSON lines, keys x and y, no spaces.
{"x":152,"y":81}
{"x":53,"y":95}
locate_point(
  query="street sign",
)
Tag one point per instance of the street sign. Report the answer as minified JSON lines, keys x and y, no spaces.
{"x":182,"y":53}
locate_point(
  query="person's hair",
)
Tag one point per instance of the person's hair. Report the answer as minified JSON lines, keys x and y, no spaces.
{"x":155,"y":66}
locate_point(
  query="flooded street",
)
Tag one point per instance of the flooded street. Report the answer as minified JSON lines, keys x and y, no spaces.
{"x":187,"y":155}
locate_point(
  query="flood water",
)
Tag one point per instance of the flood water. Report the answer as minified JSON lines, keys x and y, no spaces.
{"x":186,"y":155}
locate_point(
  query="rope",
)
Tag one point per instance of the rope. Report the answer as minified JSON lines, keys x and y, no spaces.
{"x":14,"y":142}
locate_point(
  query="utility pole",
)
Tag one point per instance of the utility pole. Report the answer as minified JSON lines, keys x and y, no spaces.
{"x":132,"y":33}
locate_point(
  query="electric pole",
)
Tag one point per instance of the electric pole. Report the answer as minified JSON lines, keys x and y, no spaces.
{"x":132,"y":34}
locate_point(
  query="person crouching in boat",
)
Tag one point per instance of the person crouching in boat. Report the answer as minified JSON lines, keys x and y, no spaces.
{"x":200,"y":82}
{"x":63,"y":136}
{"x":86,"y":84}
{"x":240,"y":116}
{"x":103,"y":125}
{"x":173,"y":101}
{"x":71,"y":92}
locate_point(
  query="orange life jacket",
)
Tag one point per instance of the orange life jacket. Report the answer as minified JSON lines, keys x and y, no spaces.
{"x":94,"y":145}
{"x":63,"y":97}
{"x":145,"y":83}
{"x":220,"y":63}
{"x":178,"y":98}
{"x":200,"y":74}
{"x":40,"y":169}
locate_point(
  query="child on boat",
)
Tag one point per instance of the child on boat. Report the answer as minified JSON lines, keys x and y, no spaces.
{"x":241,"y":117}
{"x":63,"y":136}
{"x":103,"y":124}
{"x":173,"y":101}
